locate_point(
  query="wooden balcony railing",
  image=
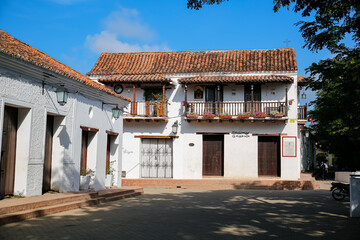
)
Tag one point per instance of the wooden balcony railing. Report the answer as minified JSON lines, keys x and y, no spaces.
{"x":236,"y":108}
{"x":302,"y":112}
{"x":149,"y":109}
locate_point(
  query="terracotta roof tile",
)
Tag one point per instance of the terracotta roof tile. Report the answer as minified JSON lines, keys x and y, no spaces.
{"x":237,"y":79}
{"x":135,"y":78}
{"x":15,"y":48}
{"x":302,"y":81}
{"x":195,"y":62}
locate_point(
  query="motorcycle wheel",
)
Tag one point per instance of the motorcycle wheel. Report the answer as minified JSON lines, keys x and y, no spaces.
{"x":338,"y":194}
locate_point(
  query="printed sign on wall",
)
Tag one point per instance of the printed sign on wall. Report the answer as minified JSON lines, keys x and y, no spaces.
{"x":289,"y":146}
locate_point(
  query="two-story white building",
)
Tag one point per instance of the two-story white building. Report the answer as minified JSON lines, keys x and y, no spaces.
{"x":195,"y":114}
{"x":54,"y":122}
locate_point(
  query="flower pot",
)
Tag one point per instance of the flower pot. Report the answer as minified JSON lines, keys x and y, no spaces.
{"x":209,"y":116}
{"x":225,"y":116}
{"x":192,"y":115}
{"x":243,"y":116}
{"x":260,"y":115}
{"x":278,"y":115}
{"x":108,"y":180}
{"x":85,"y":182}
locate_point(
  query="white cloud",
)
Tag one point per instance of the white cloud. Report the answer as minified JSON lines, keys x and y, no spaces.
{"x":127,"y":23}
{"x":108,"y":42}
{"x":120,"y":26}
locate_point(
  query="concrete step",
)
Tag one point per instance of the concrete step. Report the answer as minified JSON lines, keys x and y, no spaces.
{"x":56,"y":200}
{"x":61,"y":204}
{"x":44,"y":211}
{"x":224,"y":184}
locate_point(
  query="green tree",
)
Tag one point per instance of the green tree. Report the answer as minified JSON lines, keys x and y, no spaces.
{"x":337,"y":106}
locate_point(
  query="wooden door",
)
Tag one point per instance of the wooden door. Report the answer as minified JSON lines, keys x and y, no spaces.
{"x":8,"y":151}
{"x":213,"y":155}
{"x":48,"y":154}
{"x":269,"y":156}
{"x":108,"y":152}
{"x":84,"y":146}
{"x":257,"y":97}
{"x":211,"y":98}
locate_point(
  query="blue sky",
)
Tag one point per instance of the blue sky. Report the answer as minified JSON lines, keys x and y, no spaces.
{"x":76,"y":31}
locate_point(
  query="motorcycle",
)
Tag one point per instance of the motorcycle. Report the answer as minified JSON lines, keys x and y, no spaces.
{"x":339,"y":190}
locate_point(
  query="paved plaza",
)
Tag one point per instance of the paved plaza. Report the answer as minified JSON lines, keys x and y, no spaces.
{"x":200,"y":214}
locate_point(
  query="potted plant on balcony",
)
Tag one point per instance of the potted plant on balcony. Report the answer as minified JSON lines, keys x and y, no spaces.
{"x":225,"y":115}
{"x":85,"y":177}
{"x":260,"y":114}
{"x":244,"y":115}
{"x":207,"y":114}
{"x":192,"y":115}
{"x":109,"y":175}
{"x":276,"y":114}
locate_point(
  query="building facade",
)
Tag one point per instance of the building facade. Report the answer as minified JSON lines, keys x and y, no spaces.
{"x":197,"y":114}
{"x":45,"y":142}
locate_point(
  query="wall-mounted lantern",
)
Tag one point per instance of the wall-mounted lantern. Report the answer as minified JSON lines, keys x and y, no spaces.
{"x":303,"y":95}
{"x":116,"y":112}
{"x":62,"y":95}
{"x":175,"y":127}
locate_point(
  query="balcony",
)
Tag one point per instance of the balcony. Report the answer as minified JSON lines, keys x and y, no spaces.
{"x":148,"y":111}
{"x":302,"y":114}
{"x":256,"y":110}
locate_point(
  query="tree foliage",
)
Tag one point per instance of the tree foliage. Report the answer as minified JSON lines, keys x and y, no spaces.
{"x":333,"y":20}
{"x":197,"y":4}
{"x":337,"y":107}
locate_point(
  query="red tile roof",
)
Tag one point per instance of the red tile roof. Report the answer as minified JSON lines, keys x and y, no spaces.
{"x":232,"y":61}
{"x":237,"y":79}
{"x":135,"y":78}
{"x":302,"y":81}
{"x":15,"y":48}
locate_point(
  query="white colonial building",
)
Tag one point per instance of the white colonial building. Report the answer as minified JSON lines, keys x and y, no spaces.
{"x":194,"y":114}
{"x":45,"y":140}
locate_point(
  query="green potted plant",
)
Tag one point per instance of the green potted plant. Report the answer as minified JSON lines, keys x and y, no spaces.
{"x":192,"y":115}
{"x":244,"y":115}
{"x":85,"y":177}
{"x":276,"y":114}
{"x":109,"y":175}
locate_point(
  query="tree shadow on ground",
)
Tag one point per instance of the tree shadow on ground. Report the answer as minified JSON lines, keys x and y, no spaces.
{"x":187,"y":214}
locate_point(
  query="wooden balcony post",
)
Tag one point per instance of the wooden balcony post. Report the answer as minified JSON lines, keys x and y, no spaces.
{"x":162,"y":113}
{"x":252,"y":100}
{"x":133,"y":109}
{"x":286,"y":101}
{"x":185,"y":102}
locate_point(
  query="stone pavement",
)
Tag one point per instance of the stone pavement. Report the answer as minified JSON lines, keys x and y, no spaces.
{"x":200,"y":214}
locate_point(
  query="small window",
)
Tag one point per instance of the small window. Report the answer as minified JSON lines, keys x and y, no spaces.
{"x":198,"y":92}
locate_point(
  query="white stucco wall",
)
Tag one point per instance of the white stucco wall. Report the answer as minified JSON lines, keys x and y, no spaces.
{"x":240,"y":154}
{"x":25,"y":92}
